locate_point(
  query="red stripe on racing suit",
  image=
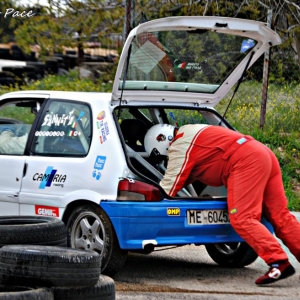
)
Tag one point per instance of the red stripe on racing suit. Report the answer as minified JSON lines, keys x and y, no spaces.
{"x":197,"y":155}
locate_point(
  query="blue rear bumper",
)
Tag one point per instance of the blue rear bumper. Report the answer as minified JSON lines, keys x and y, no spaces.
{"x":165,"y":223}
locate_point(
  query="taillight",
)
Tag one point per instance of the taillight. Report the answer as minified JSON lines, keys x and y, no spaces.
{"x":133,"y":190}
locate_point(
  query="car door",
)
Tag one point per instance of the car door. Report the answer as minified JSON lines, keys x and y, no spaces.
{"x":17,"y":115}
{"x":58,"y":157}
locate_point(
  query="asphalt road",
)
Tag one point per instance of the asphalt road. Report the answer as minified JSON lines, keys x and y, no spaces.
{"x":189,"y":273}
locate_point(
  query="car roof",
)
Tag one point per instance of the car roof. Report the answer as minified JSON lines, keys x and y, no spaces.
{"x":64,"y":95}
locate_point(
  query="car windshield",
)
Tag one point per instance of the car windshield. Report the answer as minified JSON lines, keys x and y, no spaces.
{"x":195,"y":61}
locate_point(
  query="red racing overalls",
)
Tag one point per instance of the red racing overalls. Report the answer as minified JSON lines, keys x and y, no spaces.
{"x":251,"y":173}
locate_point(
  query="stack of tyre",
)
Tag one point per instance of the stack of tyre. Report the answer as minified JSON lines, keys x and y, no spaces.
{"x":36,"y":264}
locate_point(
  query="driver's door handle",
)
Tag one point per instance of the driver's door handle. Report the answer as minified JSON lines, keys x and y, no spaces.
{"x":25,"y":169}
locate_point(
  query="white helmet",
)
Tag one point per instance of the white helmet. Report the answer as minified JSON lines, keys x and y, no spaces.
{"x":159,"y":137}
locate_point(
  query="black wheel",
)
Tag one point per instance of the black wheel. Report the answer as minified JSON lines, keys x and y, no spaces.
{"x":47,"y":266}
{"x":36,"y":230}
{"x":24,"y":293}
{"x":104,"y":289}
{"x":231,"y":255}
{"x":90,"y":228}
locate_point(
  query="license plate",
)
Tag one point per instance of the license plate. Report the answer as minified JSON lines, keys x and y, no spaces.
{"x":207,"y":217}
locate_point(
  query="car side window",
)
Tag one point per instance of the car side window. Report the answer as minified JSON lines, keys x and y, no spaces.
{"x":64,"y":130}
{"x":16,"y":118}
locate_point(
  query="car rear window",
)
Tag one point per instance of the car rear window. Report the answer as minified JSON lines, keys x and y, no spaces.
{"x":195,"y":60}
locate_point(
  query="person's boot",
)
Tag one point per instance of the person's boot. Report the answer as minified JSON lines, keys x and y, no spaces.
{"x":278,"y":270}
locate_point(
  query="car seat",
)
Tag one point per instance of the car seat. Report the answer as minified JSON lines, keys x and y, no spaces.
{"x":134,"y":131}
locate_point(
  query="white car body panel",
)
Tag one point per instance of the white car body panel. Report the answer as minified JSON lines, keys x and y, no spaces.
{"x":74,"y":183}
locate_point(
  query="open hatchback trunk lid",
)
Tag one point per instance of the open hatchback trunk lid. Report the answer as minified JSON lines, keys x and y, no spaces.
{"x":192,"y":60}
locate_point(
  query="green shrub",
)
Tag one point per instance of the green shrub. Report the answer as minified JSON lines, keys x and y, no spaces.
{"x":69,"y":82}
{"x":280,"y":131}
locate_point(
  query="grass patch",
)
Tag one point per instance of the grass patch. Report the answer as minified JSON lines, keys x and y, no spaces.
{"x":281,"y":129}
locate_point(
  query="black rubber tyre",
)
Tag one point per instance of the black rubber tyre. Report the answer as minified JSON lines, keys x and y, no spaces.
{"x":36,"y":230}
{"x":24,"y":293}
{"x":104,"y":289}
{"x":48,"y":266}
{"x":231,"y":255}
{"x":90,"y":228}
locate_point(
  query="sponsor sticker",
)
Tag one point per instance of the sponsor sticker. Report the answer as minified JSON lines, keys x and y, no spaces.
{"x":233,"y":211}
{"x":103,"y":130}
{"x":100,"y":162}
{"x":180,"y":66}
{"x":101,"y":115}
{"x":56,"y":120}
{"x":241,"y":141}
{"x":49,"y":211}
{"x":140,"y":59}
{"x":50,"y":177}
{"x":102,"y":127}
{"x":189,"y":66}
{"x":98,"y":166}
{"x":193,"y":66}
{"x":49,"y":133}
{"x":63,"y":120}
{"x":174,"y":211}
{"x":97,"y":175}
{"x":73,"y":125}
{"x":74,"y":133}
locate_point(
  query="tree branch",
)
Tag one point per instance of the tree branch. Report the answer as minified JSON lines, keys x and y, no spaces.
{"x":262,"y":4}
{"x":205,"y":9}
{"x":295,"y":16}
{"x":292,"y":3}
{"x":239,"y":9}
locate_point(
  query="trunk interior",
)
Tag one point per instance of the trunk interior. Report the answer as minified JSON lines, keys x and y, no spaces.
{"x":133,"y":125}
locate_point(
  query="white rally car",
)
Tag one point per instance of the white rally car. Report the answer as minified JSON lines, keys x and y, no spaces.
{"x":81,"y":157}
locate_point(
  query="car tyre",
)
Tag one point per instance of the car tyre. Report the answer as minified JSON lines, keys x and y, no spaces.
{"x":36,"y":230}
{"x":47,"y":266}
{"x":231,"y":255}
{"x":24,"y":293}
{"x":90,"y":228}
{"x":104,"y":289}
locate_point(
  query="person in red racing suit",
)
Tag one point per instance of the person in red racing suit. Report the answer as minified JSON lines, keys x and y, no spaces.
{"x":251,"y":173}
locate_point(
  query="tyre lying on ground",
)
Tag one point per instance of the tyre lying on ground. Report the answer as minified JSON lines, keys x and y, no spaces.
{"x":35,"y":230}
{"x":104,"y":289}
{"x":24,"y":293}
{"x":48,"y":266}
{"x":71,"y":274}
